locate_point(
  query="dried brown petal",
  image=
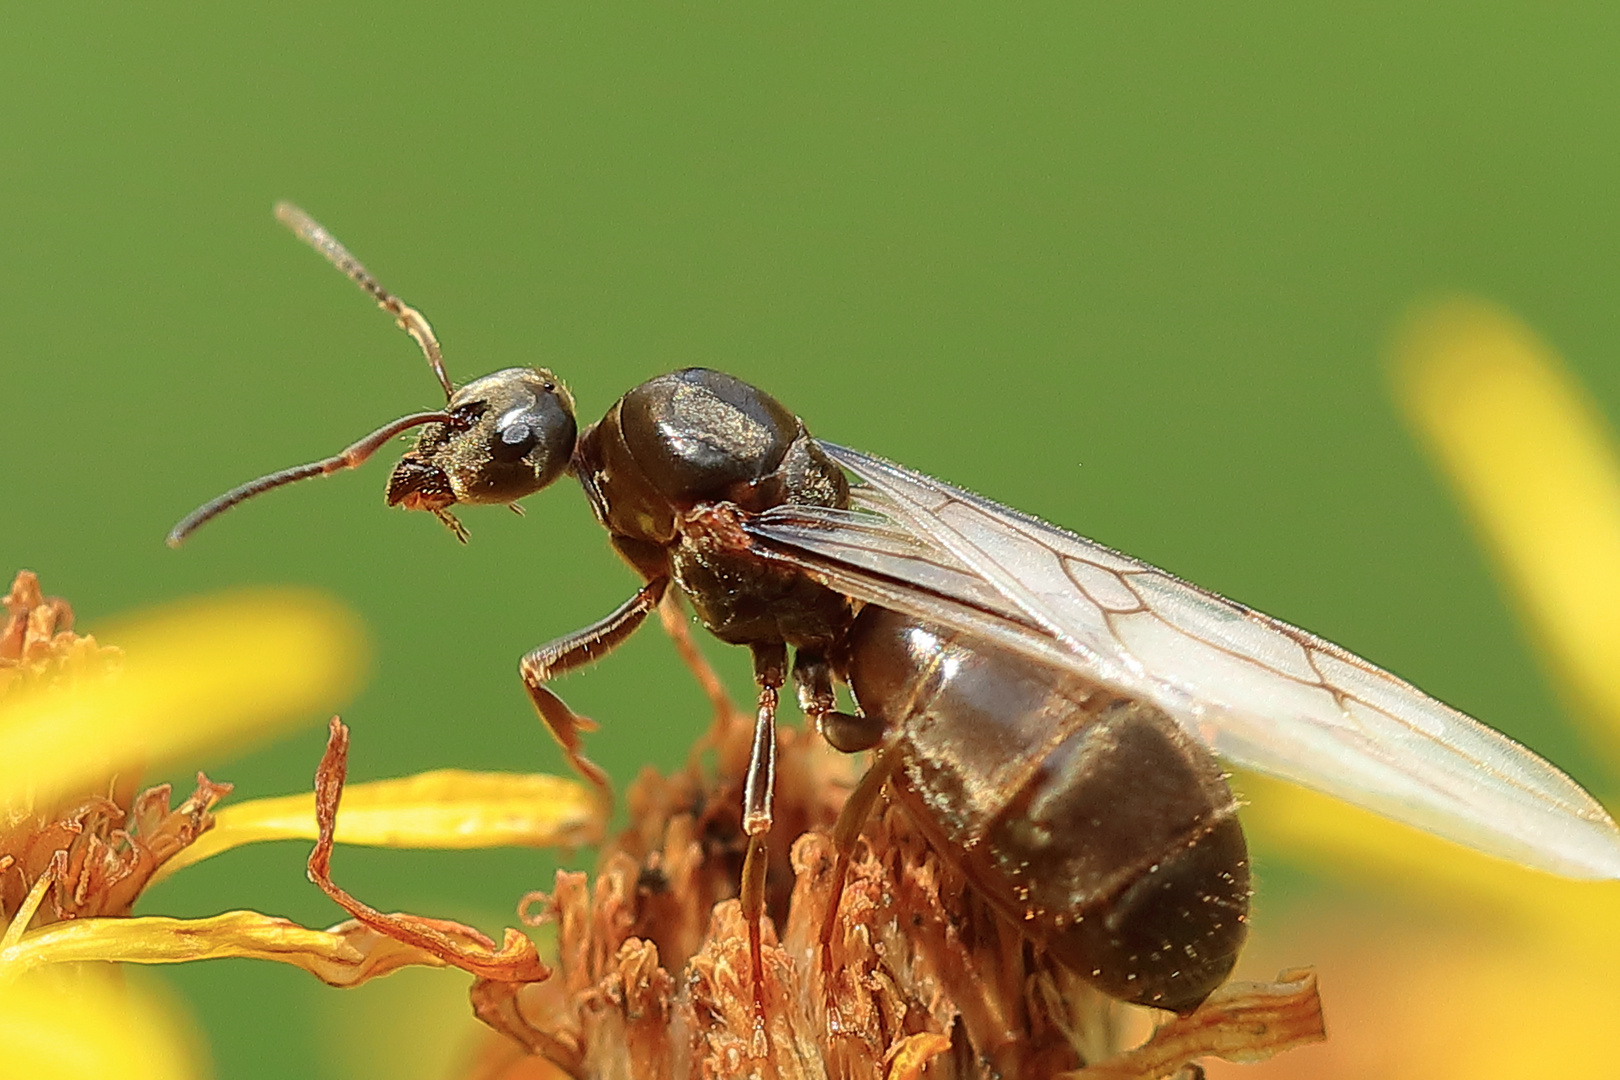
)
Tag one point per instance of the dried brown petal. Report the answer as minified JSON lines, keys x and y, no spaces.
{"x":460,"y":946}
{"x":1242,"y":1022}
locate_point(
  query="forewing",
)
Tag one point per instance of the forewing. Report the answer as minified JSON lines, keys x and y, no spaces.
{"x":1261,"y":693}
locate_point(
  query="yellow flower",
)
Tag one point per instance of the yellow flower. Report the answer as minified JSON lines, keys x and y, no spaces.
{"x":77,"y":845}
{"x":1494,"y":970}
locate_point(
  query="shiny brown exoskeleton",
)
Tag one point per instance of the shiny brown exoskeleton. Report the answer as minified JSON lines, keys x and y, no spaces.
{"x":1091,"y":820}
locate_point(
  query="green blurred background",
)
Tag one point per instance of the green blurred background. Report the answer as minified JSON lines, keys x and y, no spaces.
{"x":1131,"y":269}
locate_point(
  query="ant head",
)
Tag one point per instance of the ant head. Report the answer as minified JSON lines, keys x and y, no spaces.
{"x":497,"y":439}
{"x":513,"y":433}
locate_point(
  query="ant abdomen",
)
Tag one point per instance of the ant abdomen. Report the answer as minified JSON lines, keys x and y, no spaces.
{"x":1093,"y":821}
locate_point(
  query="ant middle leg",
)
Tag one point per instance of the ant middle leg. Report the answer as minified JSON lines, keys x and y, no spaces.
{"x":574,"y":651}
{"x":672,"y":613}
{"x":770,"y":672}
{"x":846,"y":831}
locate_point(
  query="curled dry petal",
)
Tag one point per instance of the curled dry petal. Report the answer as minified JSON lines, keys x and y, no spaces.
{"x":456,"y":945}
{"x":1242,"y":1022}
{"x":446,"y":809}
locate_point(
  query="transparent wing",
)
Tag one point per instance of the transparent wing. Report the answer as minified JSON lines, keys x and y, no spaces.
{"x":1261,"y":693}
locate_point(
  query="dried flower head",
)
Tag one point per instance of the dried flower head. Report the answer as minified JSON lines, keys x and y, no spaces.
{"x":924,"y":979}
{"x":95,"y":852}
{"x":77,"y":845}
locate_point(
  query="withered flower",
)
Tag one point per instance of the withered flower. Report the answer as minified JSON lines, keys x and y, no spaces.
{"x":77,"y":844}
{"x":96,"y":852}
{"x":652,"y":975}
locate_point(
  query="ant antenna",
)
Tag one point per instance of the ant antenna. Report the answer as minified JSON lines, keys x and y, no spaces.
{"x":409,"y":319}
{"x":351,"y":458}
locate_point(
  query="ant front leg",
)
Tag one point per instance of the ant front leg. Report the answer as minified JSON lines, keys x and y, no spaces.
{"x":576,"y":650}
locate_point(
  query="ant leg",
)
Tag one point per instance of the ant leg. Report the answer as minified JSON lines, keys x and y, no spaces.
{"x":848,"y":733}
{"x":846,"y":830}
{"x":576,"y":650}
{"x":726,"y":713}
{"x":851,"y":734}
{"x":770,"y":664}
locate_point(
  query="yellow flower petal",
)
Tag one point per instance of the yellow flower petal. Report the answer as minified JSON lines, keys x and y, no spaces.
{"x":1339,"y":840}
{"x":346,"y":955}
{"x":1537,"y":467}
{"x":197,"y":677}
{"x":94,"y":1031}
{"x":448,"y":808}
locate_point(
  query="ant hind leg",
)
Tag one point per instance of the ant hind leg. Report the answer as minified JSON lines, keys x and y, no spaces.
{"x":846,"y":831}
{"x":851,"y":734}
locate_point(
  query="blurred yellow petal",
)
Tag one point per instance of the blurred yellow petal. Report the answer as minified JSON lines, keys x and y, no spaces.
{"x":1537,"y":467}
{"x":95,"y":1030}
{"x":1339,"y":840}
{"x":197,"y":677}
{"x":448,"y":808}
{"x":346,"y":955}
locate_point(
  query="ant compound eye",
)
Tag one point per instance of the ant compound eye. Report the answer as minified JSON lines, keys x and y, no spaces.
{"x":516,"y":434}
